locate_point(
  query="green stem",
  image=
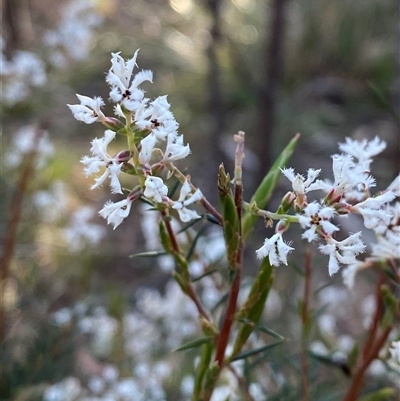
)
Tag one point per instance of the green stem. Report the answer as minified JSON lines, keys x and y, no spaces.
{"x":182,"y":263}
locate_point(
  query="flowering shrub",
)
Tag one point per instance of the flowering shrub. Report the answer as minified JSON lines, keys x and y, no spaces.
{"x":153,"y":146}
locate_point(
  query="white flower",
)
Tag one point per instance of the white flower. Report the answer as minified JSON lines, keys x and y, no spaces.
{"x":363,"y":150}
{"x":175,"y":149}
{"x":317,"y":218}
{"x":115,"y":213}
{"x":119,"y":78}
{"x":156,"y":117}
{"x":342,"y":251}
{"x":301,"y":185}
{"x":180,"y":205}
{"x":388,"y":246}
{"x":101,"y":158}
{"x":372,"y":212}
{"x":276,"y":249}
{"x":347,"y":176}
{"x":89,"y":111}
{"x":155,"y":188}
{"x":148,"y":144}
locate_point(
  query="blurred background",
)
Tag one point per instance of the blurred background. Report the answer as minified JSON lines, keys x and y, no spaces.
{"x":82,"y":319}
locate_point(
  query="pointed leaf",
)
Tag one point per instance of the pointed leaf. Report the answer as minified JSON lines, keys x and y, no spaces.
{"x":212,"y":219}
{"x":188,"y":225}
{"x":253,"y":307}
{"x":148,"y":254}
{"x":247,"y":354}
{"x":265,"y":189}
{"x":194,"y":344}
{"x":204,"y":275}
{"x":194,"y":242}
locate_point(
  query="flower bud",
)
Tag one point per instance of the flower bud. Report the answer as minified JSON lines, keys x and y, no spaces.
{"x":112,"y":123}
{"x":342,"y":209}
{"x":123,"y":156}
{"x":286,"y":203}
{"x":332,"y":197}
{"x":135,"y":194}
{"x":144,"y":170}
{"x":208,"y":328}
{"x":282,"y":226}
{"x":157,"y":169}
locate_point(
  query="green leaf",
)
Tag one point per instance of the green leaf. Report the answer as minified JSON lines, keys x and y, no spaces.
{"x":194,"y":242}
{"x":272,"y":333}
{"x":188,"y":225}
{"x":211,"y":377}
{"x":173,"y":189}
{"x":265,"y":189}
{"x":212,"y":219}
{"x":252,"y":308}
{"x":148,"y":254}
{"x":247,"y":354}
{"x":205,"y":360}
{"x":229,"y":216}
{"x":164,"y":238}
{"x":204,"y":275}
{"x":194,"y":344}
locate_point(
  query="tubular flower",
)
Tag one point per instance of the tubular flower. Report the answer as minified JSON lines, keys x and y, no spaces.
{"x":101,"y":158}
{"x":89,"y":111}
{"x":175,"y":149}
{"x":155,"y":189}
{"x":363,"y":150}
{"x":119,"y":79}
{"x":342,"y":251}
{"x":316,"y":219}
{"x":276,"y":249}
{"x":148,"y":144}
{"x":180,"y":205}
{"x":156,"y":117}
{"x":115,"y":213}
{"x":301,"y":185}
{"x":372,"y":210}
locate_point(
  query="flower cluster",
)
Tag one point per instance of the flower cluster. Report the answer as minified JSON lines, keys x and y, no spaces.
{"x":349,"y":192}
{"x":153,"y":144}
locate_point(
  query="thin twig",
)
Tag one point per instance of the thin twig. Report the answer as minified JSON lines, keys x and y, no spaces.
{"x":188,"y":286}
{"x":234,"y":293}
{"x":305,"y":323}
{"x":371,"y":347}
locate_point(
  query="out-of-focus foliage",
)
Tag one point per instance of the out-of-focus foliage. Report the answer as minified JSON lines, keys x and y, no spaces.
{"x":79,"y":313}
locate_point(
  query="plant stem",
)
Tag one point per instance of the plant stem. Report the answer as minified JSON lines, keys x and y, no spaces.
{"x":223,"y":337}
{"x":305,"y":328}
{"x":177,"y":254}
{"x":371,"y":347}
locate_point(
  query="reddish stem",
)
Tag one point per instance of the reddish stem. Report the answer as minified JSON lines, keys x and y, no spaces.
{"x":304,"y":319}
{"x":233,"y":296}
{"x":189,"y":287}
{"x":211,"y":209}
{"x":371,"y":347}
{"x":357,"y":382}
